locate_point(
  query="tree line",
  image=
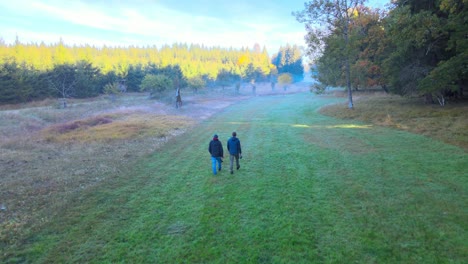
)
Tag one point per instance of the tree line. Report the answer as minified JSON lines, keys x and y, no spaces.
{"x":415,"y":47}
{"x":37,"y":71}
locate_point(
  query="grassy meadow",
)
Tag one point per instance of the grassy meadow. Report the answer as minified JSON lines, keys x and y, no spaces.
{"x":311,"y":189}
{"x":448,"y":124}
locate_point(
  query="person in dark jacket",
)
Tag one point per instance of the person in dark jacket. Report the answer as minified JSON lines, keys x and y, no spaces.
{"x":235,"y":151}
{"x":216,"y":150}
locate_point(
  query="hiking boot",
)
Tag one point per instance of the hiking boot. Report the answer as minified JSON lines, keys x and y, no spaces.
{"x":232,"y":172}
{"x":238,"y":167}
{"x":219,"y":169}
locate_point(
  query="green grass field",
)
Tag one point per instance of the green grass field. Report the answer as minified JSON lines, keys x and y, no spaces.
{"x":311,"y":189}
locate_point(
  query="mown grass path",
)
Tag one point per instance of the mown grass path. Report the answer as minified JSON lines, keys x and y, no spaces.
{"x":311,"y":189}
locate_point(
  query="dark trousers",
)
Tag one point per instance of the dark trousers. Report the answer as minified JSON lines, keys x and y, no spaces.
{"x":231,"y":159}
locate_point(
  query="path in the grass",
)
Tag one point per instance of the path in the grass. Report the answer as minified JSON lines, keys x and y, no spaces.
{"x":311,"y":189}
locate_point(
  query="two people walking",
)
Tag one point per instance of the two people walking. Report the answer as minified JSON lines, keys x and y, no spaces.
{"x":216,"y":150}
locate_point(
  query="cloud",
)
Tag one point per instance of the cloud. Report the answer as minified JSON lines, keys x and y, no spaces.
{"x":79,"y":14}
{"x":144,"y":23}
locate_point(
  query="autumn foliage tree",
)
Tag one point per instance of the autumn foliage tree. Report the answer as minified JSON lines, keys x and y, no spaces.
{"x":367,"y":39}
{"x":336,"y":16}
{"x":415,"y":48}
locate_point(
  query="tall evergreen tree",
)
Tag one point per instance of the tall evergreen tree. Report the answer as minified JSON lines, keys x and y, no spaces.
{"x":134,"y":77}
{"x":15,"y":82}
{"x":87,"y":80}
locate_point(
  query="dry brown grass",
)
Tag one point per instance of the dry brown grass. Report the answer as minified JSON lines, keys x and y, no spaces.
{"x":49,"y":155}
{"x":448,"y":124}
{"x":120,"y":127}
{"x":40,"y":177}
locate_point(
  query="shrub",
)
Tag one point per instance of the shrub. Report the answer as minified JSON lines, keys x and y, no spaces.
{"x":155,"y":84}
{"x":196,"y":83}
{"x":111,"y":88}
{"x":285,"y":78}
{"x":318,"y":88}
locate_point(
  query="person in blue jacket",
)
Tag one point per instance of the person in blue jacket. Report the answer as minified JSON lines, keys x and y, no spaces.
{"x":235,"y":151}
{"x":216,"y":150}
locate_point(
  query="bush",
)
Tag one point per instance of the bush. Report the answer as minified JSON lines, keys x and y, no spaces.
{"x":155,"y":84}
{"x":318,"y":88}
{"x":196,"y":83}
{"x":111,"y":88}
{"x":285,"y":79}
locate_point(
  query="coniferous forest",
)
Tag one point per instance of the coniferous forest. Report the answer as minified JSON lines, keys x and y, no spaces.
{"x":37,"y":71}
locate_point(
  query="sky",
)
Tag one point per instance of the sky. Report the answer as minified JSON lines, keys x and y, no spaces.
{"x":213,"y":23}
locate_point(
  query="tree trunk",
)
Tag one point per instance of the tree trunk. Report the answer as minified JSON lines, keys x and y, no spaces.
{"x":63,"y":103}
{"x":428,"y":99}
{"x":348,"y":68}
{"x":384,"y":87}
{"x":348,"y":82}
